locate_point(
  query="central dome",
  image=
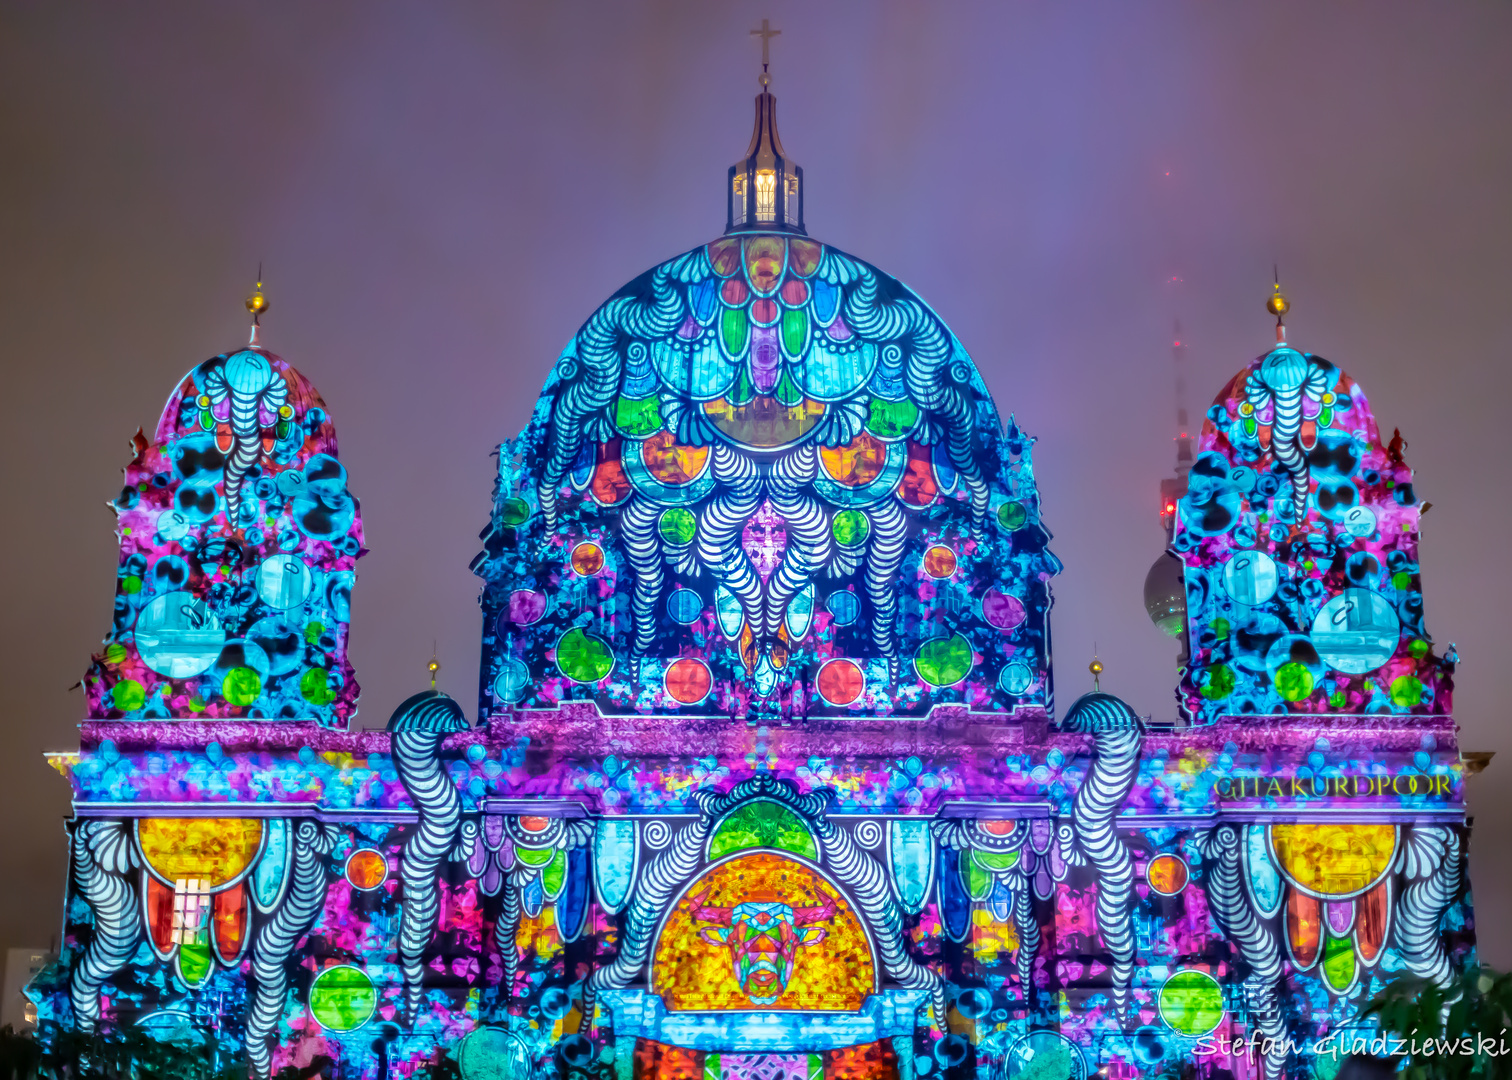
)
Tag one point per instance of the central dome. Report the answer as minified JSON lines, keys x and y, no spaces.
{"x":765,"y":478}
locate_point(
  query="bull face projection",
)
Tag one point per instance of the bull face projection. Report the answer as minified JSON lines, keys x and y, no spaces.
{"x":763,"y":930}
{"x":763,"y":938}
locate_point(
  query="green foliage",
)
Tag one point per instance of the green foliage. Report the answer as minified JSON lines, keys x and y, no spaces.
{"x":1458,"y":1034}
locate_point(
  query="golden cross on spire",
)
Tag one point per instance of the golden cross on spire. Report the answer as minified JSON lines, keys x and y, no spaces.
{"x":766,"y":34}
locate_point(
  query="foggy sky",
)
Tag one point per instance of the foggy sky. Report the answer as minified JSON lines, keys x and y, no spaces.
{"x":441,"y":193}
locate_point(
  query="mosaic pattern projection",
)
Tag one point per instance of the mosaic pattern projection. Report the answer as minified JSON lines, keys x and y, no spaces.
{"x":1299,"y":532}
{"x":673,"y":847}
{"x":765,"y":478}
{"x":238,"y":540}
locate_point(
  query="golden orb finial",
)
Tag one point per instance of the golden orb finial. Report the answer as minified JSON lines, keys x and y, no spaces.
{"x":1096,"y":668}
{"x":433,"y":667}
{"x":257,"y":303}
{"x":1278,"y":305}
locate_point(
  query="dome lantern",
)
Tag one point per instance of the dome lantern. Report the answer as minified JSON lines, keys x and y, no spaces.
{"x":764,"y":190}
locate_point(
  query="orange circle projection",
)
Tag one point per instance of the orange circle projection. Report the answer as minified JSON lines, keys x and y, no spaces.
{"x":587,"y":559}
{"x":366,"y":869}
{"x":1167,"y":875}
{"x":688,"y":680}
{"x":939,"y":562}
{"x":840,"y":682}
{"x":857,"y":463}
{"x":671,"y":462}
{"x":694,"y":960}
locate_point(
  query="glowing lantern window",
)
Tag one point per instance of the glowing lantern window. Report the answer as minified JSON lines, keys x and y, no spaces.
{"x":766,"y":195}
{"x":191,"y":910}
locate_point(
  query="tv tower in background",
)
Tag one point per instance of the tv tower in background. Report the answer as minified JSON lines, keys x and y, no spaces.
{"x":1165,"y":584}
{"x":1174,"y":487}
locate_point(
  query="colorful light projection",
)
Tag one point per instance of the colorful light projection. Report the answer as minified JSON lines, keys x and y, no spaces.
{"x":238,"y":540}
{"x":691,"y":525}
{"x":762,"y":930}
{"x":766,"y":478}
{"x":1299,"y":534}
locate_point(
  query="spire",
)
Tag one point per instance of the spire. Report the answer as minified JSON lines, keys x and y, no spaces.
{"x":257,"y":303}
{"x":765,"y":190}
{"x":1278,"y":306}
{"x":1173,"y":488}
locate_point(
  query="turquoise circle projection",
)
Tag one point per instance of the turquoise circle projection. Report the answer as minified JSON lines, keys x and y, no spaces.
{"x":1045,"y":1055}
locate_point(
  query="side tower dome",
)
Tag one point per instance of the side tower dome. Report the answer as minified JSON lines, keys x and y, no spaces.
{"x":765,"y":478}
{"x":1299,"y":538}
{"x":238,"y":543}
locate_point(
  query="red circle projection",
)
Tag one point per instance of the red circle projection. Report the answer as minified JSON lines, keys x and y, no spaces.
{"x":840,"y":682}
{"x":688,"y":680}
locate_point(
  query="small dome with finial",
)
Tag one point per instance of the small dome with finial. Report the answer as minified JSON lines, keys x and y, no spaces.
{"x":238,"y":538}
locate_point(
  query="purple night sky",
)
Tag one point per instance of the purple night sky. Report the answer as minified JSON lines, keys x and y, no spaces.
{"x":442,"y":193}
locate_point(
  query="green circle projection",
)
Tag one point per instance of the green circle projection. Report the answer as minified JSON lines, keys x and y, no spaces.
{"x":1219,"y":682}
{"x":1191,"y":1002}
{"x":1406,"y":691}
{"x":128,"y":695}
{"x":514,"y":511}
{"x":582,"y":657}
{"x":678,"y":526}
{"x":850,"y":528}
{"x":1293,"y":681}
{"x":342,"y":998}
{"x":315,"y":686}
{"x":1012,"y":515}
{"x":944,"y":661}
{"x":241,"y":686}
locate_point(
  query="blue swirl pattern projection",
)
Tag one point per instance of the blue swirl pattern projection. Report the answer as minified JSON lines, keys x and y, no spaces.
{"x":1299,"y":534}
{"x":238,"y":540}
{"x":766,"y":478}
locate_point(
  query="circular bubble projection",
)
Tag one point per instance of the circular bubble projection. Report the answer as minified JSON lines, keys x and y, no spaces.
{"x":178,"y":636}
{"x":1356,"y":632}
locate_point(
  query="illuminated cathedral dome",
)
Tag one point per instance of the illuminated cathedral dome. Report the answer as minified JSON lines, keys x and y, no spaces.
{"x":1299,"y":539}
{"x":238,"y":543}
{"x":765,"y":477}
